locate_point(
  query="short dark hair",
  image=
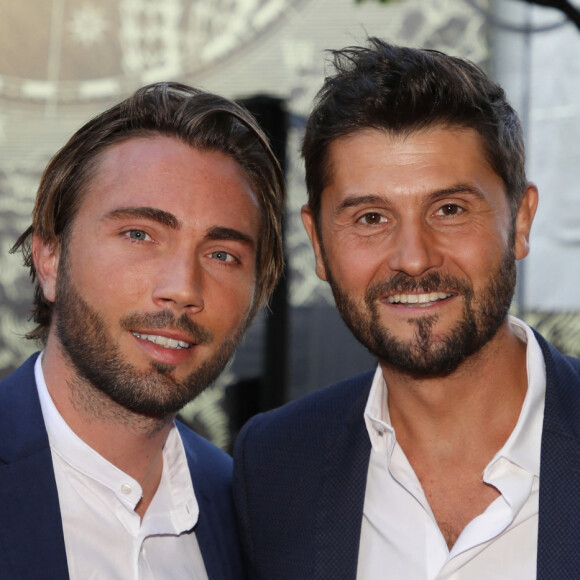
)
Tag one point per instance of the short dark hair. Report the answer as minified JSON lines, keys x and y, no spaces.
{"x":402,"y":90}
{"x":203,"y":120}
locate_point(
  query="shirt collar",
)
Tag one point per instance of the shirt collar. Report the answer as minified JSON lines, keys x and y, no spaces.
{"x":376,"y":415}
{"x":174,"y":501}
{"x":523,"y":445}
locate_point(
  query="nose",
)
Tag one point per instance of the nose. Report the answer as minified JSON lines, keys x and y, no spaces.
{"x":414,"y":249}
{"x":179,"y":283}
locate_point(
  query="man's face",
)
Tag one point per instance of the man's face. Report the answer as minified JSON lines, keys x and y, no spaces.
{"x":418,"y":245}
{"x":156,"y":283}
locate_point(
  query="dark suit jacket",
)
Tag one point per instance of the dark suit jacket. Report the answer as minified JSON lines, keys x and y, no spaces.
{"x":300,"y":477}
{"x":31,"y":536}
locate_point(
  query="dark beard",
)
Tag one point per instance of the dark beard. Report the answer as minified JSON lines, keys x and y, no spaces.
{"x":91,"y":351}
{"x":482,"y":317}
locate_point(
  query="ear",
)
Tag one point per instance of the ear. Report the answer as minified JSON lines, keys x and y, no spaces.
{"x":310,"y":226}
{"x":523,"y":222}
{"x":46,"y":258}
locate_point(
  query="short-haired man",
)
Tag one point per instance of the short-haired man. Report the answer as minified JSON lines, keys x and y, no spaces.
{"x":429,"y":467}
{"x":155,"y":238}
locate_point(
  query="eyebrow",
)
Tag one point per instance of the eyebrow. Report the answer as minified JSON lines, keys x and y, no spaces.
{"x":357,"y":200}
{"x":169,"y":220}
{"x":151,"y":213}
{"x":223,"y":233}
{"x":373,"y":199}
{"x":458,"y":188}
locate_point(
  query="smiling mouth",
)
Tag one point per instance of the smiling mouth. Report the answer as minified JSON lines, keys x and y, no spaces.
{"x":420,"y":300}
{"x":163,"y":341}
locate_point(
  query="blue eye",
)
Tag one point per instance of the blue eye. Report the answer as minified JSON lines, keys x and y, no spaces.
{"x":139,"y":235}
{"x":222,"y":256}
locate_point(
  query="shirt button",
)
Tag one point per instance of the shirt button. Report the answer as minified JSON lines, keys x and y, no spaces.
{"x":126,"y":488}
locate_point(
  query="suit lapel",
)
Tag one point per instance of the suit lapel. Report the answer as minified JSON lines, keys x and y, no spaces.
{"x":216,"y":530}
{"x":559,"y":513}
{"x":205,"y":532}
{"x":31,"y":536}
{"x":206,"y":535}
{"x":215,"y":548}
{"x":344,"y":473}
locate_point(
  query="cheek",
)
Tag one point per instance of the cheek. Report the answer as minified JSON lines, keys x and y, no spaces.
{"x":355,"y":264}
{"x":105,"y":283}
{"x":229,"y":305}
{"x":351,"y":279}
{"x":479,"y":260}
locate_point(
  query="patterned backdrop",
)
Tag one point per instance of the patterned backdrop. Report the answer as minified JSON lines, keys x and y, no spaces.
{"x":61,"y":62}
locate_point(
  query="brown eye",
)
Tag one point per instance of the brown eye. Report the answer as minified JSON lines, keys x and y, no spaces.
{"x":450,"y":209}
{"x":372,"y":219}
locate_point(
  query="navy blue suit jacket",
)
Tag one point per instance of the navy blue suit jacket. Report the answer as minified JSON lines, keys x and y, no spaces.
{"x":300,"y":477}
{"x":31,"y":536}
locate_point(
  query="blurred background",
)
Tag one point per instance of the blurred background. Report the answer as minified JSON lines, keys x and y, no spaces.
{"x":63,"y":61}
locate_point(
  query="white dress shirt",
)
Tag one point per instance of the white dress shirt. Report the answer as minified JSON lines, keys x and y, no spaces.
{"x":400,"y":537}
{"x":104,"y":537}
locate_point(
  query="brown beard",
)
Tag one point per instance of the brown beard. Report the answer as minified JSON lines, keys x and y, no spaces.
{"x":90,"y":349}
{"x":422,"y":357}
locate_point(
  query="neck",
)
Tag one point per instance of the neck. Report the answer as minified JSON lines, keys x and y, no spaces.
{"x":479,"y":402}
{"x":132,"y":442}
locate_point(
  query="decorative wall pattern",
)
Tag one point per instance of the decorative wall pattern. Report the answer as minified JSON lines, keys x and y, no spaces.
{"x":77,"y":50}
{"x":61,"y":62}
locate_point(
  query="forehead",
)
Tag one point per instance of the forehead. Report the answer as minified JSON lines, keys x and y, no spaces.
{"x":165,"y":173}
{"x":422,"y":160}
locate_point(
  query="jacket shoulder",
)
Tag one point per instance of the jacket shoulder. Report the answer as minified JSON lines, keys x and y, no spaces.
{"x":204,"y":456}
{"x":299,"y":430}
{"x":329,"y":404}
{"x":562,"y":407}
{"x":22,"y":430}
{"x":293,"y":465}
{"x":23,"y":374}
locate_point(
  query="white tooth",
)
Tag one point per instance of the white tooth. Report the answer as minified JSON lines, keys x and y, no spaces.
{"x":163,"y":341}
{"x":418,"y":298}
